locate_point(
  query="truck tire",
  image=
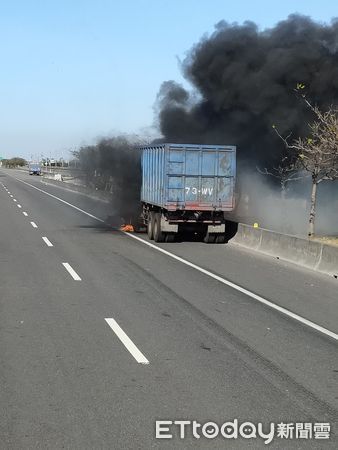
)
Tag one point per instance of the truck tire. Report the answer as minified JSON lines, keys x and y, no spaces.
{"x":170,"y":237}
{"x":150,"y":226}
{"x":159,"y":236}
{"x":209,"y":238}
{"x":220,"y":238}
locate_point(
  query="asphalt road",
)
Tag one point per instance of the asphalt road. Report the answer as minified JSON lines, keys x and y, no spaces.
{"x":179,"y":345}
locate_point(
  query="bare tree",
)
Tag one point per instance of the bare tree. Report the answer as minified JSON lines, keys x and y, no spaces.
{"x":286,"y":171}
{"x":318,"y":153}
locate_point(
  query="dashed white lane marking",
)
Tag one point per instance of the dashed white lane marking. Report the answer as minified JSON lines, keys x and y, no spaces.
{"x":47,"y":241}
{"x":14,"y":200}
{"x":24,"y":213}
{"x":256,"y":297}
{"x":127,"y":342}
{"x":11,"y":196}
{"x":19,"y":206}
{"x":72,"y":272}
{"x":34,"y":225}
{"x":240,"y":289}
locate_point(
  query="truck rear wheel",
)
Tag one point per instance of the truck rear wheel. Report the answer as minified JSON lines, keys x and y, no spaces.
{"x":220,"y":238}
{"x":159,"y":236}
{"x":150,"y":226}
{"x":210,"y":238}
{"x":170,"y":237}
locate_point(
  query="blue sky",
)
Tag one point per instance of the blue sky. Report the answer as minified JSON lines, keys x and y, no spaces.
{"x":73,"y":71}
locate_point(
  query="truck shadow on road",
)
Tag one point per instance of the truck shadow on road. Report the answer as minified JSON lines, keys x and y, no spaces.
{"x":230,"y":231}
{"x":109,"y":227}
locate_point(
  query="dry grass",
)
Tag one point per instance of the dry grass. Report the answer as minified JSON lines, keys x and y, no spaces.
{"x":329,"y":240}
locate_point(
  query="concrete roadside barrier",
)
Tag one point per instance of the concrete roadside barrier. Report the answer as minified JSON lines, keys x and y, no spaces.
{"x":328,"y":262}
{"x":292,"y":248}
{"x":305,"y":252}
{"x":248,"y":236}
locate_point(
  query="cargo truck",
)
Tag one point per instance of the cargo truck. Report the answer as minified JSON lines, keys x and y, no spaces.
{"x":187,"y":187}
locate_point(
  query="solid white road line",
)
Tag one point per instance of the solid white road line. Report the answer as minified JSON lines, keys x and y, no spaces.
{"x":19,"y":206}
{"x":34,"y":225}
{"x":60,"y":200}
{"x":127,"y":342}
{"x":240,"y":289}
{"x":47,"y":241}
{"x":71,"y":271}
{"x":24,"y":213}
{"x":260,"y":299}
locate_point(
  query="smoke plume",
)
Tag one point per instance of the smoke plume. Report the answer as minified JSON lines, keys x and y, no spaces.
{"x":113,"y":165}
{"x":244,"y":80}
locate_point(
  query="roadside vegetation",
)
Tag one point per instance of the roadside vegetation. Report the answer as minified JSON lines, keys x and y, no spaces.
{"x":315,"y":155}
{"x":14,"y":162}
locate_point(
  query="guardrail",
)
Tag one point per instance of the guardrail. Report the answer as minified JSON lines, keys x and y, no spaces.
{"x":305,"y":252}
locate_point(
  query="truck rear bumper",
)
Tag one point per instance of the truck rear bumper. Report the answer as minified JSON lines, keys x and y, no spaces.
{"x":168,"y":227}
{"x":216,"y":228}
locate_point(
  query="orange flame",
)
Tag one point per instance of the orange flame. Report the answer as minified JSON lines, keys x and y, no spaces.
{"x":127,"y":228}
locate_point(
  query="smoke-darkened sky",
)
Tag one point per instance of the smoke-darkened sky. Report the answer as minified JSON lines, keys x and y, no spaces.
{"x":243,"y":82}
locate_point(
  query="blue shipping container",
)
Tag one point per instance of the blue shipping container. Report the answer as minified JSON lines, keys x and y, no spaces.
{"x":189,"y":177}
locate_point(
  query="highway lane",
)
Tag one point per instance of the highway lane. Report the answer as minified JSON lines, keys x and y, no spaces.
{"x":213,"y":353}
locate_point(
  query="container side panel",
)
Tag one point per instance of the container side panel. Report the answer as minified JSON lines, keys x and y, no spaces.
{"x":191,"y":189}
{"x":176,"y":168}
{"x":225,"y":164}
{"x":162,"y":170}
{"x":208,"y":192}
{"x":155,"y":175}
{"x":175,"y":196}
{"x":225,"y":190}
{"x":152,"y":175}
{"x":176,"y":155}
{"x":192,"y":162}
{"x":176,"y":182}
{"x":148,"y":172}
{"x":159,"y":176}
{"x":175,"y":189}
{"x":209,"y":163}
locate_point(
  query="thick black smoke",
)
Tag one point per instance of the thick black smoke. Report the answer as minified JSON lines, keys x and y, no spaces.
{"x":113,"y":165}
{"x":245,"y":80}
